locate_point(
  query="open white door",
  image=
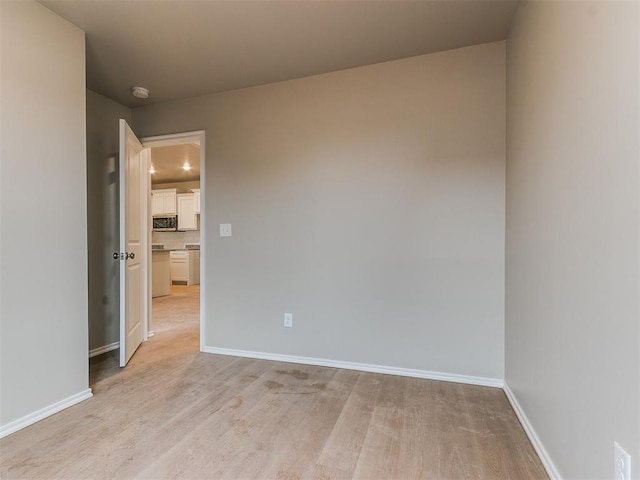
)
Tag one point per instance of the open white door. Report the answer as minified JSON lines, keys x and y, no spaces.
{"x":132,"y":236}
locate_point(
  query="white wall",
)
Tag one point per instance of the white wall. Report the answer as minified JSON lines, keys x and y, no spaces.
{"x":103,"y":115}
{"x":572,"y":318}
{"x":43,"y":243}
{"x":367,"y":202}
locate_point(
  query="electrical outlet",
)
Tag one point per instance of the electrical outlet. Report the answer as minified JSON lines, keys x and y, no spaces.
{"x":288,"y":320}
{"x":622,"y":463}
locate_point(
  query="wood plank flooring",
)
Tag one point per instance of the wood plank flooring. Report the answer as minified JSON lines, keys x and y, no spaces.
{"x":175,"y":413}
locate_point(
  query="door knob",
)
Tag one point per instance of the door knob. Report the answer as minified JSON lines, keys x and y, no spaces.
{"x":123,"y":256}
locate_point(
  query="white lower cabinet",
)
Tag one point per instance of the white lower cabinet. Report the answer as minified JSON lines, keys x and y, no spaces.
{"x":185,"y":267}
{"x":179,"y":266}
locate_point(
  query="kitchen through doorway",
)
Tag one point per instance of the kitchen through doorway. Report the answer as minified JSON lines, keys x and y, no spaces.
{"x":176,"y":212}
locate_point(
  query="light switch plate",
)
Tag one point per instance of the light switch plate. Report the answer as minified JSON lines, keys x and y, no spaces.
{"x":225,"y":229}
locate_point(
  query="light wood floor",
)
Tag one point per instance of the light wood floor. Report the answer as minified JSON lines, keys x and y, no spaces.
{"x":177,"y":413}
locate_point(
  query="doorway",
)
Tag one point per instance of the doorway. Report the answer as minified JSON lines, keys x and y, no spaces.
{"x":176,"y":244}
{"x":105,"y":361}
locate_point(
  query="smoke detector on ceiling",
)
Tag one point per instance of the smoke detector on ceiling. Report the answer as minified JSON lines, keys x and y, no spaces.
{"x":140,"y":92}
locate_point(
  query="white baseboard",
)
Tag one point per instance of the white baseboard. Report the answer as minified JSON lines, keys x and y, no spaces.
{"x":104,"y":349}
{"x":364,"y":367}
{"x":43,"y":413}
{"x":548,"y":464}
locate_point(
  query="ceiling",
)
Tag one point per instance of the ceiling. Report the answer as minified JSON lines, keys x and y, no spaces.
{"x":168,"y":163}
{"x":185,"y":48}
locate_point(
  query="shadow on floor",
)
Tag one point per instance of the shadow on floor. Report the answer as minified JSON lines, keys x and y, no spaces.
{"x":104,"y":366}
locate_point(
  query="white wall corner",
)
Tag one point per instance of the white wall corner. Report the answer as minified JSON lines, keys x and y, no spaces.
{"x":43,"y":413}
{"x":363,"y":367}
{"x":548,"y":464}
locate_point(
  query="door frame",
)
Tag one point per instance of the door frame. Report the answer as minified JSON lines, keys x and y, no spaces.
{"x":171,"y":139}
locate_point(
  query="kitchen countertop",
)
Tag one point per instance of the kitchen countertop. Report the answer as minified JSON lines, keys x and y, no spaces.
{"x":161,"y":248}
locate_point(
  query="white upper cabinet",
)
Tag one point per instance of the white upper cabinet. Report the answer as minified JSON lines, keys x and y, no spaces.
{"x":187,"y":218}
{"x":163,"y":202}
{"x":196,"y":194}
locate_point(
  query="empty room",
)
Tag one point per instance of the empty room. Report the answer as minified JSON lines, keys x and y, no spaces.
{"x":320,"y":239}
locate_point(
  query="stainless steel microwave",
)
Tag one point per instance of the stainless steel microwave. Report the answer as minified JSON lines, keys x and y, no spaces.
{"x":165,"y":224}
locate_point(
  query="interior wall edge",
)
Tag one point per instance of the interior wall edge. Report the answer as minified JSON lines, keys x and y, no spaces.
{"x":535,"y":440}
